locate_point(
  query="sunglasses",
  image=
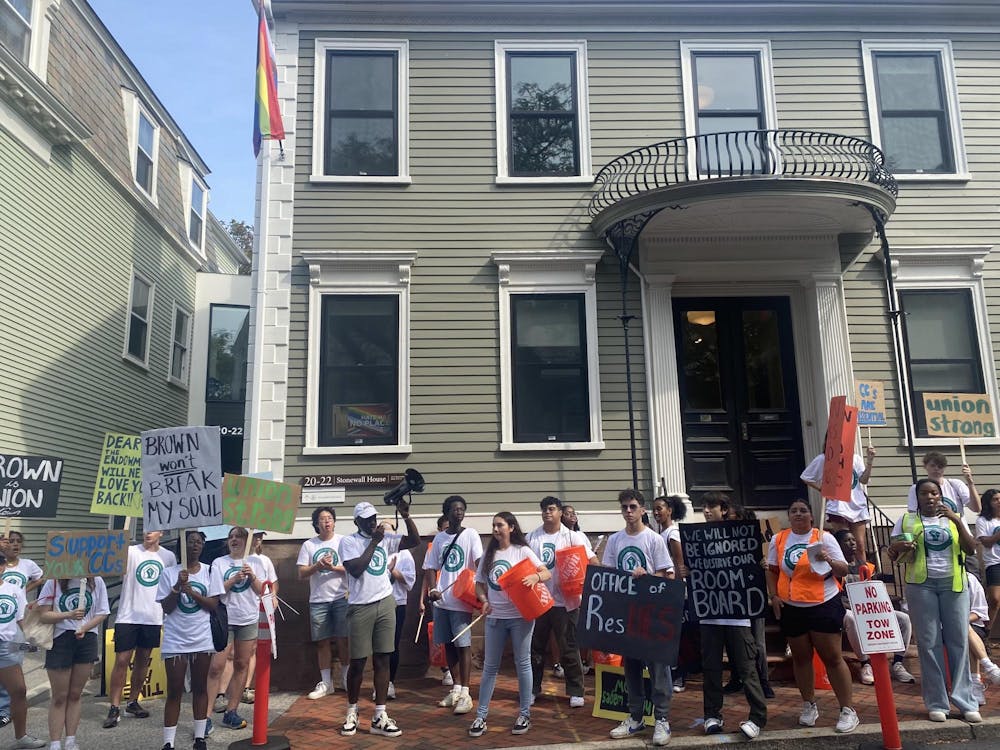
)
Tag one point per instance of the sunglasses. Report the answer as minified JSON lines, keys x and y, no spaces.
{"x":633,"y":506}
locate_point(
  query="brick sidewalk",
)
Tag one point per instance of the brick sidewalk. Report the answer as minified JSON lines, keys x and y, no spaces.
{"x":315,"y":725}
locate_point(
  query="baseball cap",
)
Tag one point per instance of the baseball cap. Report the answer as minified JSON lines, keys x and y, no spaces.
{"x":365,"y":510}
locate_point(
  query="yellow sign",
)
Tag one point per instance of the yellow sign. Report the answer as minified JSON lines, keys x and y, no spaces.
{"x":959,"y":415}
{"x":155,"y":684}
{"x":611,"y":695}
{"x":118,"y":489}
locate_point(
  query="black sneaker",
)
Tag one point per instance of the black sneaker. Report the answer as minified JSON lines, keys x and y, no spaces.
{"x":768,"y":690}
{"x":4,"y":720}
{"x":735,"y":685}
{"x":135,"y":709}
{"x":167,"y":746}
{"x":114,"y":716}
{"x":522,"y":725}
{"x":199,"y":744}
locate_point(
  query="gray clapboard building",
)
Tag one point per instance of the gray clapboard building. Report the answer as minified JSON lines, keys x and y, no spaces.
{"x":536,"y":247}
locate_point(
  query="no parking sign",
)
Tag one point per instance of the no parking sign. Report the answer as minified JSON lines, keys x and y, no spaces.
{"x":878,"y":626}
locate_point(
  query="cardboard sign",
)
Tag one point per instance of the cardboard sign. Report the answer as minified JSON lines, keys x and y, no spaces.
{"x":878,"y":626}
{"x":74,"y":554}
{"x":634,"y":617}
{"x":871,"y":403}
{"x":181,"y":478}
{"x":726,"y":579}
{"x":118,"y":489}
{"x":29,"y":486}
{"x":841,"y":433}
{"x":959,"y":415}
{"x":155,"y":684}
{"x":260,"y":503}
{"x":611,"y":694}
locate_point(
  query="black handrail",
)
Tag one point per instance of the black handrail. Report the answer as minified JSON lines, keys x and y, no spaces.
{"x":740,"y":153}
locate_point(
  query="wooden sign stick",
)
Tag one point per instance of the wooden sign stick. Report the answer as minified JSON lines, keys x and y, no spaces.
{"x":961,"y":448}
{"x":6,"y":527}
{"x":467,"y":628}
{"x":81,"y":596}
{"x":420,"y":625}
{"x":184,"y":550}
{"x":870,"y":436}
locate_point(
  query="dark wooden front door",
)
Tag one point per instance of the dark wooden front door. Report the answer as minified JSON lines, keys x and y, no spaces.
{"x":739,"y":399}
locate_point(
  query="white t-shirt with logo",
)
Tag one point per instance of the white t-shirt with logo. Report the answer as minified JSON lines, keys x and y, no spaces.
{"x":465,"y":553}
{"x":374,"y":585}
{"x":645,"y":549}
{"x":977,"y":603}
{"x":186,"y":630}
{"x":989,"y":527}
{"x":954,"y":494}
{"x":545,"y":545}
{"x":138,"y":604}
{"x":242,"y":602}
{"x":12,"y":608}
{"x":501,"y":607}
{"x":95,"y":602}
{"x":324,"y":585}
{"x":795,"y":547}
{"x":408,"y":569}
{"x":937,"y":544}
{"x":23,"y":573}
{"x":857,"y":509}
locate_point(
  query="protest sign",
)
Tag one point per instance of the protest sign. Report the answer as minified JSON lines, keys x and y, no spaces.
{"x":155,"y":684}
{"x":871,"y":403}
{"x":633,"y":617}
{"x":181,"y":478}
{"x":118,"y":489}
{"x":959,"y":415}
{"x":260,"y":503}
{"x":841,"y":434}
{"x":611,"y":694}
{"x":725,"y":578}
{"x":29,"y":486}
{"x":878,"y":626}
{"x":74,"y":554}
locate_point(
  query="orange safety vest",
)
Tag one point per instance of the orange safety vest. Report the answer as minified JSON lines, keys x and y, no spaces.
{"x":803,"y":585}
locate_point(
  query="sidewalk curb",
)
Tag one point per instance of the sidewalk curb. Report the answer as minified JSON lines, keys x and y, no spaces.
{"x":954,"y":730}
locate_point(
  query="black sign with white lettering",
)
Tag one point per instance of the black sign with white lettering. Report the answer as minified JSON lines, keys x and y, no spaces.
{"x":636,"y":617}
{"x":725,"y":578}
{"x":29,"y":486}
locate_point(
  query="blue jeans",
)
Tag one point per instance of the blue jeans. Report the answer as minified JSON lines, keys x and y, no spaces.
{"x":520,"y":641}
{"x":940,"y":619}
{"x":661,"y":682}
{"x":8,"y":657}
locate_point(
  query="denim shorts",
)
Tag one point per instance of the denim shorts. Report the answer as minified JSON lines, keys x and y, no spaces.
{"x":448,"y":624}
{"x":328,"y":619}
{"x":10,"y":655}
{"x":246,"y":632}
{"x":68,"y":650}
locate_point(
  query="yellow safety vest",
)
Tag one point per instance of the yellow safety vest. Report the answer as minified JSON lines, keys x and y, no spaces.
{"x":916,"y":570}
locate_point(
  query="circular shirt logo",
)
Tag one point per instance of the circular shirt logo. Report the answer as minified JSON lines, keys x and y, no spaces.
{"x":70,"y":601}
{"x":148,"y":572}
{"x":18,"y":579}
{"x":456,"y":559}
{"x":323,"y":552}
{"x":950,"y":503}
{"x":855,"y":479}
{"x":237,"y":588}
{"x":379,"y":561}
{"x":549,"y":555}
{"x":937,"y":538}
{"x":499,"y":568}
{"x":793,"y":554}
{"x":631,"y":558}
{"x":8,"y":608}
{"x":187,"y":604}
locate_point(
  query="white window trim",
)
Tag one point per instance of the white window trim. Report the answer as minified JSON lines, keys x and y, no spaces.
{"x":402,"y":48}
{"x":548,"y":272}
{"x":579,"y":49}
{"x":381,"y":272}
{"x":947,"y":268}
{"x":763,"y":49}
{"x":181,"y":382}
{"x":132,"y":109}
{"x":943,"y":49}
{"x":126,"y":355}
{"x":187,"y":175}
{"x":40,"y":27}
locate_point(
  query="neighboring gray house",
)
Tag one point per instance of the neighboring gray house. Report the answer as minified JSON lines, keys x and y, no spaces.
{"x":104,"y":229}
{"x":470,"y":191}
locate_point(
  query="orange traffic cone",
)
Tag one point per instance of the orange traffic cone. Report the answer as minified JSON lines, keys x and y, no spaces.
{"x":821,"y":681}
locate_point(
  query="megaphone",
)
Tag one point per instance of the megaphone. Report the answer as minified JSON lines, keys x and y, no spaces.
{"x":412,"y":482}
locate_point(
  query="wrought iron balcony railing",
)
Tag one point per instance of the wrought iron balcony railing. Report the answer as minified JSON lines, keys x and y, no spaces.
{"x":743,"y":153}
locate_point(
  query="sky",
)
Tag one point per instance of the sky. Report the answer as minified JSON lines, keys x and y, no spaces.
{"x":199,"y":57}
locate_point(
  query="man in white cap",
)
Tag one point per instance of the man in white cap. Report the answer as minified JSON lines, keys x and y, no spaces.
{"x":371,"y":614}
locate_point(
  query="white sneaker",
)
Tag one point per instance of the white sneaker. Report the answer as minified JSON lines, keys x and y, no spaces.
{"x":937,"y":716}
{"x":992,"y":673}
{"x":809,"y":715}
{"x":447,"y":680}
{"x":750,"y":730}
{"x":463,"y":704}
{"x":713,"y":725}
{"x":900,"y":673}
{"x":848,"y":720}
{"x":661,"y":733}
{"x":71,"y":745}
{"x":385,"y":726}
{"x":557,"y":671}
{"x":973,"y":717}
{"x":867,"y":676}
{"x":350,"y":725}
{"x":979,"y":690}
{"x":449,"y":700}
{"x":627,"y":728}
{"x":576,"y":701}
{"x":392,"y":692}
{"x":321,"y":690}
{"x":27,"y":741}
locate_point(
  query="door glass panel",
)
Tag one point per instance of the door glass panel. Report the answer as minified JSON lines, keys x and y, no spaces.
{"x":762,"y":360}
{"x":701,"y":360}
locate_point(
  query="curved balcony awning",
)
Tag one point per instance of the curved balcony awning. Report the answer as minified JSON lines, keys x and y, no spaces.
{"x":773,"y":178}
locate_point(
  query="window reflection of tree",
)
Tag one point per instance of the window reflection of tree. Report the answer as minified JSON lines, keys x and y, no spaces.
{"x":762,"y":360}
{"x":701,"y":366}
{"x":543,"y":129}
{"x":363,"y":156}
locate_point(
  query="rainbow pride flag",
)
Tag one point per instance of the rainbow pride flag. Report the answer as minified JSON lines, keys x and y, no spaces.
{"x":266,"y":111}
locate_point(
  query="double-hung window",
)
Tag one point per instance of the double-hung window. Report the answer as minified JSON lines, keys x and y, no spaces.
{"x":180,"y":348}
{"x":360,"y":118}
{"x":15,"y":27}
{"x":913,"y":108}
{"x":196,"y":218}
{"x":139,"y":318}
{"x":145,"y":154}
{"x":543,"y":121}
